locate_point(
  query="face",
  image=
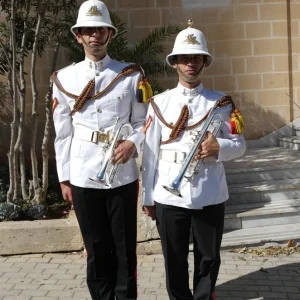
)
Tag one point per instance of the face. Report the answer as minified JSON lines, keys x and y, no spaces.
{"x":94,"y":39}
{"x":189,"y":67}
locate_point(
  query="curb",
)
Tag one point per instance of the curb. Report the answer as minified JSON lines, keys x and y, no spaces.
{"x":21,"y":237}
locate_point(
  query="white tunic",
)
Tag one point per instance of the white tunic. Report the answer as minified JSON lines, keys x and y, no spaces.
{"x":209,"y":186}
{"x":78,"y":159}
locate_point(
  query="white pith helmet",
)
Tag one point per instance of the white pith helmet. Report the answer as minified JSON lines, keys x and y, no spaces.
{"x":190,"y":41}
{"x":93,"y":13}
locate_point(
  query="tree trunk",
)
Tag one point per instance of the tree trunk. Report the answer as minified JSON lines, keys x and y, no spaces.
{"x":47,"y":129}
{"x":22,"y":93}
{"x":13,"y":194}
{"x":38,"y":193}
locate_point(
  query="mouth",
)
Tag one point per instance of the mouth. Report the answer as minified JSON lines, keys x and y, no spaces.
{"x":95,"y":43}
{"x":191,"y":72}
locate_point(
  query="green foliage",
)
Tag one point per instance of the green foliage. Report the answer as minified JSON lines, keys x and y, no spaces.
{"x":146,"y":53}
{"x":4,"y":182}
{"x":53,"y":27}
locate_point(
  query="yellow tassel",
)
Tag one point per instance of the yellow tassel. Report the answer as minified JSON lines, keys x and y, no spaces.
{"x":143,"y":88}
{"x":240,"y":117}
{"x":235,"y":124}
{"x":148,"y":87}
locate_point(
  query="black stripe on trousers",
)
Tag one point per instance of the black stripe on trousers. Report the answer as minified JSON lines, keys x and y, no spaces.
{"x":108,"y":223}
{"x":174,"y":227}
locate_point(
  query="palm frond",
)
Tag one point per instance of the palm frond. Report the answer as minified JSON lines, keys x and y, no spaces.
{"x":158,"y":35}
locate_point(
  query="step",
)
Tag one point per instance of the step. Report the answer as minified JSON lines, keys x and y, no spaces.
{"x":257,"y":214}
{"x":266,"y":173}
{"x":264,"y":191}
{"x":267,"y":234}
{"x":292,"y":142}
{"x":297,"y":130}
{"x":264,"y":157}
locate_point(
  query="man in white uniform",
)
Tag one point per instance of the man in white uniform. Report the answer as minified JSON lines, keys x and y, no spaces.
{"x":173,"y":117}
{"x":89,"y":99}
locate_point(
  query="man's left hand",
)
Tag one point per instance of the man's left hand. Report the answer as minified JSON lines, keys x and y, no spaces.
{"x":209,"y":147}
{"x":123,"y":152}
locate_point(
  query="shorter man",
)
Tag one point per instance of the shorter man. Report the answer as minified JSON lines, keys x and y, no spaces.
{"x":173,"y":118}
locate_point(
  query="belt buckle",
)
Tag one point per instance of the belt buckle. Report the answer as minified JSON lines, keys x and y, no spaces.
{"x":103,"y":137}
{"x":100,"y":137}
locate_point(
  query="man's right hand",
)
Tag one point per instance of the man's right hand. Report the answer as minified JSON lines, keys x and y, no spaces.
{"x":66,"y":191}
{"x":150,"y":211}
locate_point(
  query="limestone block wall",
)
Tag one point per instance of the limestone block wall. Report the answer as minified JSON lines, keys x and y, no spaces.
{"x":255,"y":43}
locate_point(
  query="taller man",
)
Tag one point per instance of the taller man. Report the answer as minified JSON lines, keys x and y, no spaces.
{"x":89,"y":99}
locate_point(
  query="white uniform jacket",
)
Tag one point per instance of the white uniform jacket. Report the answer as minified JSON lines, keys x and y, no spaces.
{"x":161,"y":163}
{"x":78,"y":159}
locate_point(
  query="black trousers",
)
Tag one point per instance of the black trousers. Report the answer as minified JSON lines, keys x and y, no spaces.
{"x":108,"y":223}
{"x":174,"y":226}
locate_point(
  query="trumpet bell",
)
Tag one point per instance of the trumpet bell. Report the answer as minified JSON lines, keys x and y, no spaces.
{"x":172,"y":190}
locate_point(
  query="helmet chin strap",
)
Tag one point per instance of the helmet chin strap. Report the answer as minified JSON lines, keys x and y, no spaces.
{"x":189,"y":79}
{"x":100,"y":47}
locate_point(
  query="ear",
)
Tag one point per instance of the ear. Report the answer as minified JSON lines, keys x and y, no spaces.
{"x":174,"y":62}
{"x":78,"y":37}
{"x":111,"y":33}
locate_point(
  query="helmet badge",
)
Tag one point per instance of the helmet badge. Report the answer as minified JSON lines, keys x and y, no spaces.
{"x":94,"y":11}
{"x":191,"y":39}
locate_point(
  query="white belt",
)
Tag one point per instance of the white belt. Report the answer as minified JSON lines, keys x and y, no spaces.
{"x":173,"y":156}
{"x":179,"y":157}
{"x":92,"y":136}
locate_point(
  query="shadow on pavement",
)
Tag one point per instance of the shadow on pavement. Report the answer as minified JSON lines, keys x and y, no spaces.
{"x":266,"y":283}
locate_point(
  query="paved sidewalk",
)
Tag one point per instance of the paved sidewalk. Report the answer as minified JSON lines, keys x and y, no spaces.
{"x":62,"y":277}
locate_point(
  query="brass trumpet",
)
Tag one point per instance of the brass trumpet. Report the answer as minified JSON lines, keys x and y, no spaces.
{"x":108,"y":171}
{"x":214,"y":120}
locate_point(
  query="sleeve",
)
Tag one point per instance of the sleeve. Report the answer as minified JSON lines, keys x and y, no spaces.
{"x":138,"y":113}
{"x":150,"y":156}
{"x":231,"y":145}
{"x":63,"y":129}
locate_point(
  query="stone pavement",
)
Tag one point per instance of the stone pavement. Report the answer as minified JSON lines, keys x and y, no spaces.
{"x":61,"y":276}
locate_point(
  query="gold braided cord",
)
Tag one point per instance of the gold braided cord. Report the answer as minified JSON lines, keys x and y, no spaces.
{"x":83,"y":97}
{"x":183,"y":118}
{"x":86,"y":93}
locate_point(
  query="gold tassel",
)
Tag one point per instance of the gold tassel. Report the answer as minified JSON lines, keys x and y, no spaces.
{"x":143,"y":88}
{"x":235,"y":124}
{"x":148,"y":88}
{"x":240,"y":117}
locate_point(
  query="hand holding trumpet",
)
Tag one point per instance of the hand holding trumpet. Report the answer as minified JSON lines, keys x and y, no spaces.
{"x":208,"y":148}
{"x":124,"y":150}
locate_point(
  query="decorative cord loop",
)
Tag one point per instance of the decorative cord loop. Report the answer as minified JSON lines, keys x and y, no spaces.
{"x":183,"y":118}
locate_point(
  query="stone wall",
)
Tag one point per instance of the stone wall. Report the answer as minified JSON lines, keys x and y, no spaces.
{"x":255,"y":44}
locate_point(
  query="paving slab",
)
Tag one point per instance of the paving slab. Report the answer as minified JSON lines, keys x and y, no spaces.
{"x":242,"y":277}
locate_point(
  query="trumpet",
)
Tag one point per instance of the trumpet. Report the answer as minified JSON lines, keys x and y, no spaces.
{"x":108,"y":171}
{"x":214,"y":120}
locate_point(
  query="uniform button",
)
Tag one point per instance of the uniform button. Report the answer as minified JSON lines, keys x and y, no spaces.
{"x":190,"y":117}
{"x":99,"y":110}
{"x":171,"y":123}
{"x":97,"y":74}
{"x":191,"y":132}
{"x":118,"y":118}
{"x":101,"y":129}
{"x":97,"y":91}
{"x":119,"y":98}
{"x":190,"y":101}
